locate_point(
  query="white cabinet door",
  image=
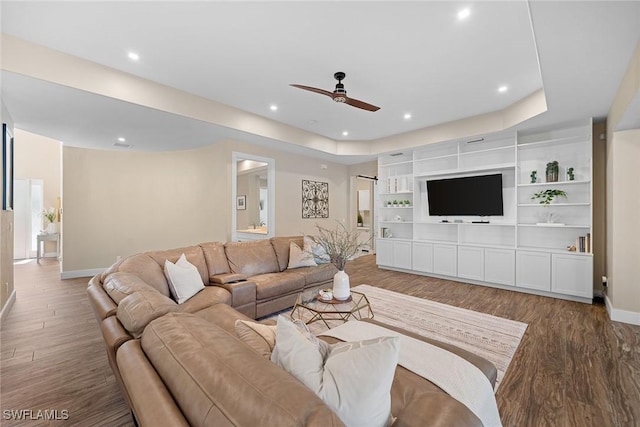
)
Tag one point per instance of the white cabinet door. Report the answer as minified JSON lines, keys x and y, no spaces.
{"x":471,"y":262}
{"x":572,"y":275}
{"x":533,"y":270}
{"x":445,"y":260}
{"x":384,"y":252}
{"x":500,"y":266}
{"x":422,"y":257}
{"x":402,"y":255}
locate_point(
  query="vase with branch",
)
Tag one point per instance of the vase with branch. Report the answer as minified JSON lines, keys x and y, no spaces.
{"x":545,"y":197}
{"x":341,"y":245}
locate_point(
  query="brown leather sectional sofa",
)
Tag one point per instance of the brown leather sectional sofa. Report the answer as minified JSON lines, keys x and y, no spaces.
{"x":181,"y":365}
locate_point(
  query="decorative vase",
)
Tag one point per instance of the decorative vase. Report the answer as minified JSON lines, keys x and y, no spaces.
{"x":52,"y":228}
{"x":341,"y":289}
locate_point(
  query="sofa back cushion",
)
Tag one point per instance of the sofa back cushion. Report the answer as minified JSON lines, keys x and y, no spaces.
{"x":215,"y":258}
{"x":120,"y":285}
{"x":281,"y":248}
{"x":218,"y":380}
{"x":145,"y":267}
{"x":252,"y":258}
{"x":141,"y":307}
{"x":193,"y":254}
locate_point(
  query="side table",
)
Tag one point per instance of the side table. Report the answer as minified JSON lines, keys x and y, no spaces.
{"x":41,"y":238}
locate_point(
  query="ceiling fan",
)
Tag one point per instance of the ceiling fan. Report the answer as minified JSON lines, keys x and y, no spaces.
{"x":340,"y":94}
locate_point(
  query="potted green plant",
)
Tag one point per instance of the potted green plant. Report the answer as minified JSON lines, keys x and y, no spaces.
{"x":534,"y":177}
{"x":395,"y":203}
{"x":360,"y":220}
{"x":545,"y":197}
{"x":407,"y":203}
{"x":570,"y":174}
{"x":552,"y":171}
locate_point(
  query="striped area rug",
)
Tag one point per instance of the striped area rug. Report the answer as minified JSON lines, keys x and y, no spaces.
{"x":494,"y":338}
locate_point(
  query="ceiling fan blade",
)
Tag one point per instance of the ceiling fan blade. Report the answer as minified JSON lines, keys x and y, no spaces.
{"x":361,"y":104}
{"x":314,"y":89}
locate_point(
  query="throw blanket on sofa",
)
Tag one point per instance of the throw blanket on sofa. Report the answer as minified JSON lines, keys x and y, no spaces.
{"x":456,"y":376}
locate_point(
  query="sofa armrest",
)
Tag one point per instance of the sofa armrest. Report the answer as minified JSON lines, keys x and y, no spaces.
{"x":221,"y":279}
{"x":102,"y":304}
{"x":242,"y":293}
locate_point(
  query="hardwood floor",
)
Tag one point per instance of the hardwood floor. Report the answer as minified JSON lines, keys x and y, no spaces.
{"x":53,"y":356}
{"x":574,"y":367}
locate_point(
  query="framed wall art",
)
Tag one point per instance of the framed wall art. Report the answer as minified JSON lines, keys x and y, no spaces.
{"x":315,"y":199}
{"x":241,"y":203}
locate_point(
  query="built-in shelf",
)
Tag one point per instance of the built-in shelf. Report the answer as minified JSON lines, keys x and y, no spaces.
{"x":496,"y":167}
{"x":515,"y":250}
{"x":540,"y":205}
{"x":551,"y":225}
{"x":546,"y":184}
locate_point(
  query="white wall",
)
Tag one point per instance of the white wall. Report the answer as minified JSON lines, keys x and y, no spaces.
{"x":118,"y":203}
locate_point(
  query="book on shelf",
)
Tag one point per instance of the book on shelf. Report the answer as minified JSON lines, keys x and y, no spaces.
{"x":583,"y":243}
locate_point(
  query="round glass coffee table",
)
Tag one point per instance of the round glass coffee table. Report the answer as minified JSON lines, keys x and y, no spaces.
{"x":309,"y":308}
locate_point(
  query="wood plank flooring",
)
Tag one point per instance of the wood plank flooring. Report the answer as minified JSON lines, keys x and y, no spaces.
{"x":574,"y":367}
{"x":53,"y":356}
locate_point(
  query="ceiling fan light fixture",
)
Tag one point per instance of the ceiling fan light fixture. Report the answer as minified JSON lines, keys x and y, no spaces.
{"x":340,"y":98}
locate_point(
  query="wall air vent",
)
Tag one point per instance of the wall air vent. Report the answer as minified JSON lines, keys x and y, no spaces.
{"x":475,"y":140}
{"x":396,"y":154}
{"x":122,"y":145}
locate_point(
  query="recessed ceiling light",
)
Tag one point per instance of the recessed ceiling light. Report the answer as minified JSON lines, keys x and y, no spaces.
{"x":407,"y":116}
{"x":273,"y":107}
{"x":502,"y":89}
{"x":121,"y":139}
{"x":464,"y":13}
{"x":133,"y":56}
{"x":345,"y":133}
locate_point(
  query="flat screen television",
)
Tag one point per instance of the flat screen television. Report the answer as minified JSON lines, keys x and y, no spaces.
{"x":471,"y":195}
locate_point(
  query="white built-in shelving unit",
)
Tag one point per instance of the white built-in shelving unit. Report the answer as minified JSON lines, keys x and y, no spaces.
{"x":518,"y":250}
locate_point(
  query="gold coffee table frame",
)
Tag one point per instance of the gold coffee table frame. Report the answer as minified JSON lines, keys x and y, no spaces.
{"x":358,"y":308}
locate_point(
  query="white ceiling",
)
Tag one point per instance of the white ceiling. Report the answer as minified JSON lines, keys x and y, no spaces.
{"x":406,"y":57}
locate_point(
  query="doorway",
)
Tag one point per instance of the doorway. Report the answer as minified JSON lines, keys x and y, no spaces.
{"x":27,"y":211}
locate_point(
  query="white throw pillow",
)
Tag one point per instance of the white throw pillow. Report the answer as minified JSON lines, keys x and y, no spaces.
{"x":299,"y":258}
{"x":184,"y":279}
{"x":353,"y":379}
{"x":319,"y":253}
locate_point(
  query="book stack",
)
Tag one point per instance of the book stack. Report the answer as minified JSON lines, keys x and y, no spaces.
{"x":583,"y":243}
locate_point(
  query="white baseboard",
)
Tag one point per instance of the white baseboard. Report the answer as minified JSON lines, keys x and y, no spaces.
{"x":624,"y":316}
{"x":73,"y":274}
{"x":7,"y":307}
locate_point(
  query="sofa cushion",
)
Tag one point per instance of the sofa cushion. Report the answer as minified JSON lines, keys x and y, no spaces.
{"x":141,"y":307}
{"x":319,"y":252}
{"x":210,"y":295}
{"x":251,"y":258}
{"x":215,"y":258}
{"x":217,"y":380}
{"x":184,"y":279}
{"x":276,"y":284}
{"x":299,"y":258}
{"x":317,"y":275}
{"x":281,"y":248}
{"x":340,"y":373}
{"x":145,"y":267}
{"x":193,"y":254}
{"x":261,"y":338}
{"x":120,"y":285}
